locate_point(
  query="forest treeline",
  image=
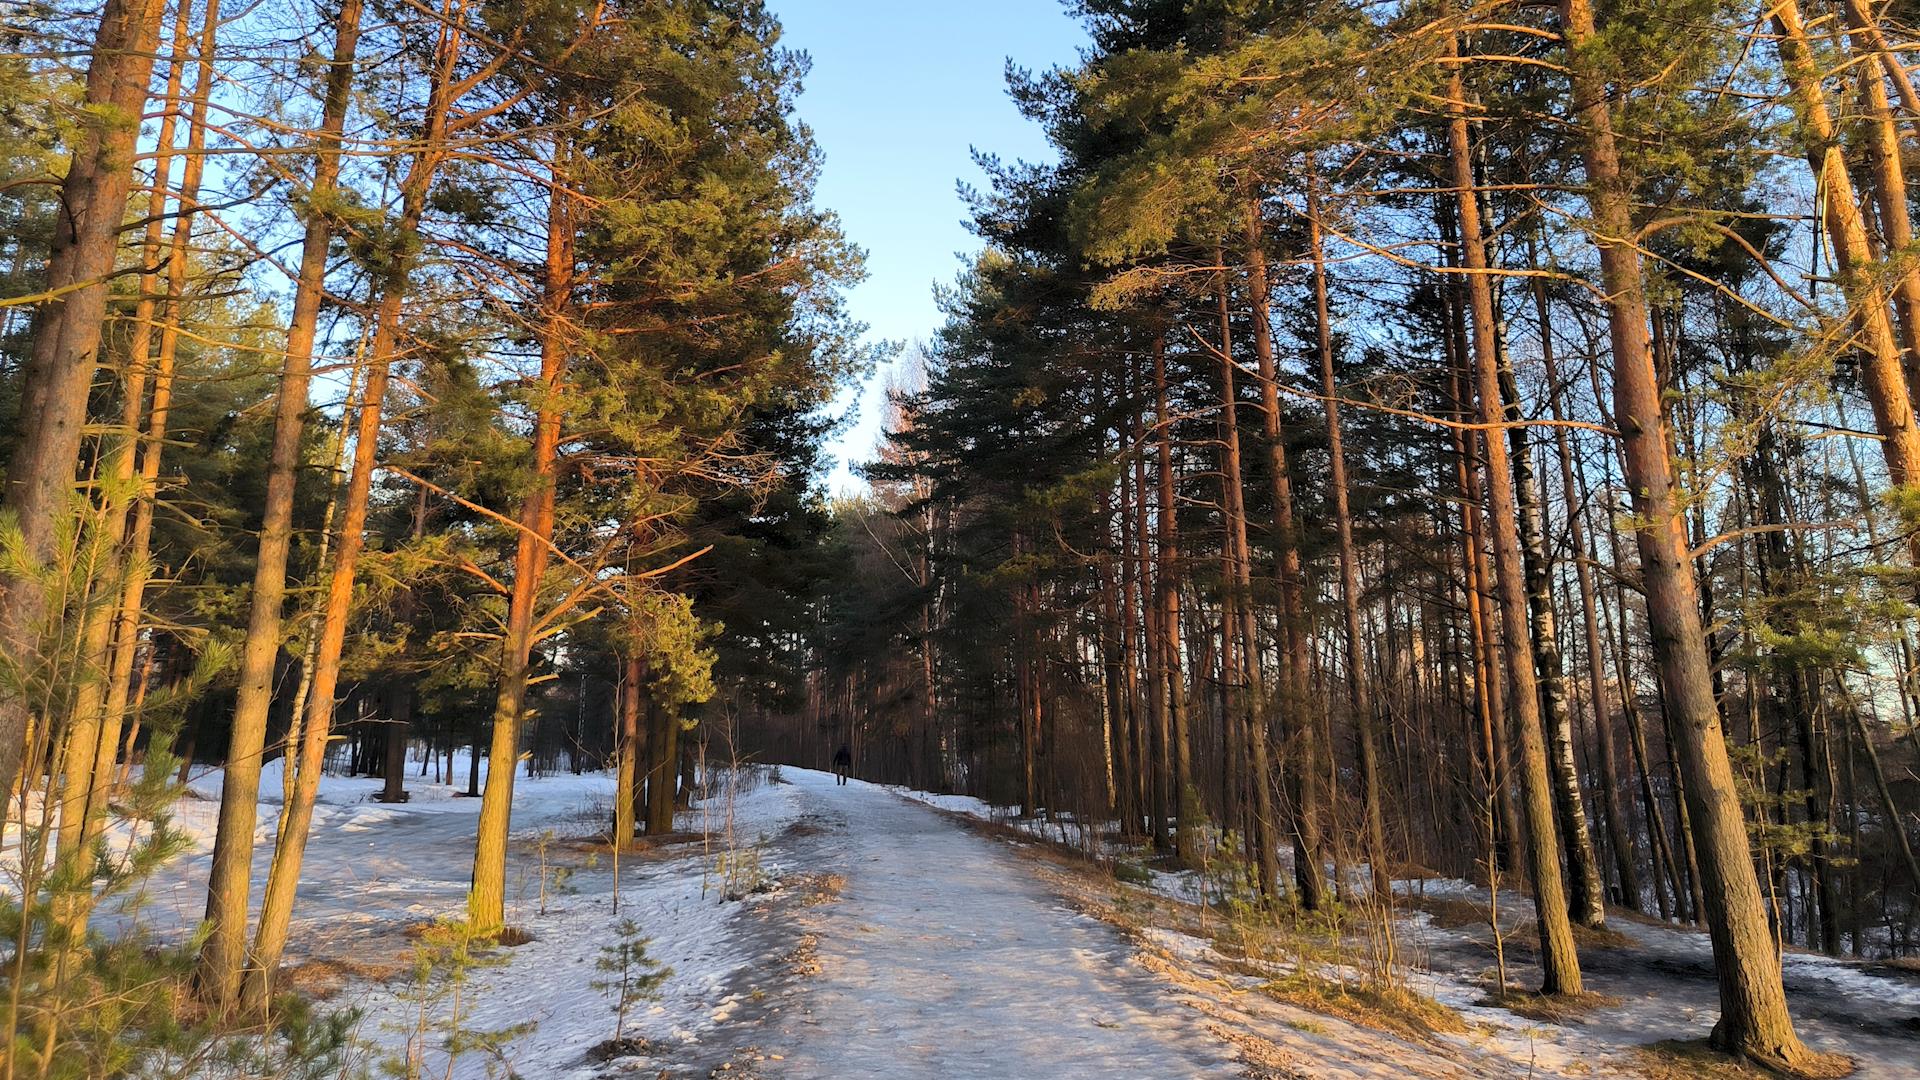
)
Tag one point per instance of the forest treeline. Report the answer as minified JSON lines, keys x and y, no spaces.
{"x":1382,"y":439}
{"x":376,"y":374}
{"x":1472,"y":437}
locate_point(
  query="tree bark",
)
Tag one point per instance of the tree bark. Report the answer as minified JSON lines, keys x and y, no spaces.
{"x":1159,"y":723}
{"x":1882,"y":374}
{"x":626,"y":774}
{"x":1250,"y":714}
{"x":1618,"y":837}
{"x":240,"y":789}
{"x":1359,"y":691}
{"x":1295,"y":674}
{"x":1754,"y":1021}
{"x":59,"y":372}
{"x":487,"y":901}
{"x":1186,"y":826}
{"x":103,"y":639}
{"x":661,"y":770}
{"x":1559,"y":961}
{"x":227,"y":892}
{"x":1584,"y":878}
{"x":262,"y":646}
{"x":1879,"y":137}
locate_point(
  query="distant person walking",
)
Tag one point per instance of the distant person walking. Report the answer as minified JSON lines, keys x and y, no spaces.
{"x":842,"y":763}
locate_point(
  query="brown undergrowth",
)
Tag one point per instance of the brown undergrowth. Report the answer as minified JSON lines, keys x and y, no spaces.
{"x":1548,"y":1008}
{"x":1693,"y":1059}
{"x":1282,"y":958}
{"x":320,"y":979}
{"x":1286,"y":958}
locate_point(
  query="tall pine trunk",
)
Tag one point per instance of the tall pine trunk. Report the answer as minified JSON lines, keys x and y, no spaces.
{"x":626,"y":750}
{"x":111,"y":627}
{"x":260,"y":651}
{"x":59,"y":372}
{"x":486,"y":901}
{"x":1559,"y":961}
{"x":1754,"y":1021}
{"x":221,"y":958}
{"x":1250,"y":713}
{"x":1359,"y":689}
{"x":1882,"y":375}
{"x":1879,"y":137}
{"x":1159,"y":725}
{"x":93,"y":731}
{"x":1186,"y":825}
{"x":1295,"y":675}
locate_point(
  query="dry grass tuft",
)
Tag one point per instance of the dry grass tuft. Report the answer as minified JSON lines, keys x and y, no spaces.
{"x":1391,"y":1009}
{"x":512,"y":937}
{"x":1451,"y":913}
{"x":322,"y":978}
{"x":1548,"y":1008}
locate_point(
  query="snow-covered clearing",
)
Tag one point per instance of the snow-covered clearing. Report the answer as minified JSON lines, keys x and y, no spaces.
{"x":376,"y":874}
{"x":888,"y":939}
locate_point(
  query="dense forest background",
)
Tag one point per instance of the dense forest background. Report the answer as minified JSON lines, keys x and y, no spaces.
{"x":1472,"y":437}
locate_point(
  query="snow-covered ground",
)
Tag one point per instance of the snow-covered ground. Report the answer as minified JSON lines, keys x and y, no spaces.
{"x":376,"y":875}
{"x":884,"y":939}
{"x":1661,"y":974}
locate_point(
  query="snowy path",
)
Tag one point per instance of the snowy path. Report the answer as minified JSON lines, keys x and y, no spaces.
{"x":945,"y":957}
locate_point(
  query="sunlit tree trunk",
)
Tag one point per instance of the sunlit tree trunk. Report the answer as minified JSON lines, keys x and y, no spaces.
{"x":626,"y":753}
{"x":487,"y":900}
{"x":91,"y":724}
{"x":1559,"y":961}
{"x":1754,"y":1021}
{"x":260,"y":650}
{"x":1882,"y":374}
{"x":1878,"y":135}
{"x":664,"y":743}
{"x":59,"y":372}
{"x":221,"y":958}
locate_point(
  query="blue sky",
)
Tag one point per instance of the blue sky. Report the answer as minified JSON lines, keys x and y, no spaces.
{"x":899,"y":94}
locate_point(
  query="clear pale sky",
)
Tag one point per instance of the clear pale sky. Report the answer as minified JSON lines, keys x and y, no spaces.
{"x":899,"y":94}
